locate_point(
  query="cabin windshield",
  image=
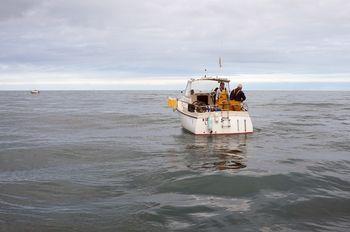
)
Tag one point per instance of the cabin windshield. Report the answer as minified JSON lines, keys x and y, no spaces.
{"x":205,"y":86}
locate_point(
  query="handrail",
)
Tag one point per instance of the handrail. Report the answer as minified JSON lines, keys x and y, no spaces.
{"x":202,"y":107}
{"x":212,"y":108}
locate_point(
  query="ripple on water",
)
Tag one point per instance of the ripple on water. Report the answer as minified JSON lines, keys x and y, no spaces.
{"x":119,"y":161}
{"x":241,"y":186}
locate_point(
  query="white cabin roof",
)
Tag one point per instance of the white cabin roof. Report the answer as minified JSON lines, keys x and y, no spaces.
{"x":205,"y":78}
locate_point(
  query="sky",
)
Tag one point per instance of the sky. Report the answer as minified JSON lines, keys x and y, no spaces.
{"x":160,"y":44}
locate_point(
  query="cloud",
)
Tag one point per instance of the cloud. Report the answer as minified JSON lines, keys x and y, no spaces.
{"x":16,"y":8}
{"x":56,"y":81}
{"x":174,"y":38}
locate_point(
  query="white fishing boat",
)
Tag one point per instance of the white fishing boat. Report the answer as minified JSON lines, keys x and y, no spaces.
{"x":200,"y":112}
{"x":35,"y":91}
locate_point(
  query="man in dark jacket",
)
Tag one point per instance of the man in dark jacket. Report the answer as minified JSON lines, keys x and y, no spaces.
{"x":237,"y":97}
{"x":237,"y":94}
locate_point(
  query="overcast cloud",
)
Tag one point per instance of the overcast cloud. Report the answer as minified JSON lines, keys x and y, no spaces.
{"x":83,"y":40}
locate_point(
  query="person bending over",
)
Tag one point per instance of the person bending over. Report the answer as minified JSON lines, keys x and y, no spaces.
{"x":237,"y":96}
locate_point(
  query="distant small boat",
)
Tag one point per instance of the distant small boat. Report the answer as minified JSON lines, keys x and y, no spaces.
{"x":35,"y":91}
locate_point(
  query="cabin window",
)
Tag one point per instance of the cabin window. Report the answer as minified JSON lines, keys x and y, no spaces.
{"x":205,"y":86}
{"x":188,"y":90}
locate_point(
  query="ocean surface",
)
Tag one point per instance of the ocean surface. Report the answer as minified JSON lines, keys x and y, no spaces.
{"x":120,"y":161}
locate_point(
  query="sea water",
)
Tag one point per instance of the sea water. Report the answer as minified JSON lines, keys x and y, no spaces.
{"x":120,"y":161}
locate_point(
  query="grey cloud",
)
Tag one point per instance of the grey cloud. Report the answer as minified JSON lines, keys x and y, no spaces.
{"x":177,"y":37}
{"x":10,"y":9}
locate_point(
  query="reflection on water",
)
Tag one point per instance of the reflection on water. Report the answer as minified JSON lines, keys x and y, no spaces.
{"x":217,"y":152}
{"x":225,"y":164}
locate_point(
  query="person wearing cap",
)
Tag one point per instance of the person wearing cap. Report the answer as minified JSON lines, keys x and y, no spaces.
{"x":237,"y":96}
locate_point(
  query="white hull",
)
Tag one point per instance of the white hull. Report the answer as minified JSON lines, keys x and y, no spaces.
{"x":35,"y":92}
{"x":221,"y":122}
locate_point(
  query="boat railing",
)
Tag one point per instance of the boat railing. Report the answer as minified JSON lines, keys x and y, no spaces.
{"x":245,"y":106}
{"x":201,"y":107}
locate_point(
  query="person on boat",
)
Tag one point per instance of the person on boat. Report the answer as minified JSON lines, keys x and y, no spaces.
{"x":237,"y":96}
{"x":214,"y":94}
{"x":222,"y":97}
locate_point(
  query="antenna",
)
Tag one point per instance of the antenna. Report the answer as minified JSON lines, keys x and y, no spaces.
{"x":220,"y":65}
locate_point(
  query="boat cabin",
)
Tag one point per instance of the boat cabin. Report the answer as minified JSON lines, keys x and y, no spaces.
{"x":201,"y":92}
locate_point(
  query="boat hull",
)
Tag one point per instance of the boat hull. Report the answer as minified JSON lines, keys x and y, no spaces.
{"x":221,"y":122}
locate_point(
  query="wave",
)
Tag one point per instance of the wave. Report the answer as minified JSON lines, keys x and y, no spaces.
{"x":240,"y":185}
